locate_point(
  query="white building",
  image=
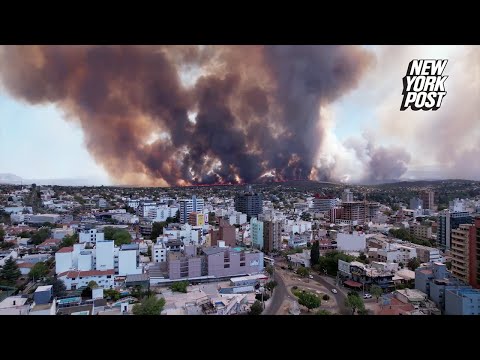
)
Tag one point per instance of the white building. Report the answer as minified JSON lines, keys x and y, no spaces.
{"x":159,"y":252}
{"x":161,"y":213}
{"x":457,"y":205}
{"x":75,"y":279}
{"x":190,"y":205}
{"x":63,"y":259}
{"x":128,"y":260}
{"x":126,"y":218}
{"x":397,"y":253}
{"x":355,"y":241}
{"x":85,"y":260}
{"x":59,"y":234}
{"x":104,"y":255}
{"x":145,"y":207}
{"x":237,"y":218}
{"x":90,"y":235}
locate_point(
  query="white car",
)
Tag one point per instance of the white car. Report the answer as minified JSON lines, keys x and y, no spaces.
{"x":367,"y":296}
{"x":334,"y":291}
{"x":310,"y":276}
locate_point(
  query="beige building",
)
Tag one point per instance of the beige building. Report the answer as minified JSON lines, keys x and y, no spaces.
{"x":421,"y":231}
{"x":460,"y":252}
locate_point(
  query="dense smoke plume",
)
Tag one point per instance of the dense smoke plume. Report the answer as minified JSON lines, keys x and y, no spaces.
{"x":177,"y":115}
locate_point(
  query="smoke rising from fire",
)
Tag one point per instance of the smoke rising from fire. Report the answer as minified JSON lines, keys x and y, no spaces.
{"x":250,"y":111}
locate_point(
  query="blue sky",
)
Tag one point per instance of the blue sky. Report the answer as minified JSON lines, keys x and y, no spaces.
{"x":37,"y":143}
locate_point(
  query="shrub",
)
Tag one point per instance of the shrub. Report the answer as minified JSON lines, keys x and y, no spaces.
{"x":326,"y":297}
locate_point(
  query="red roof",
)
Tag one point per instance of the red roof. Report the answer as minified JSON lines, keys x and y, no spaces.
{"x":65,"y":249}
{"x":26,"y":265}
{"x":352,"y":283}
{"x":50,"y":242}
{"x":72,"y":274}
{"x":396,"y":307}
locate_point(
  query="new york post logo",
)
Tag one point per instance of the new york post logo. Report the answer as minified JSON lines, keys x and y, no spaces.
{"x":424,"y":85}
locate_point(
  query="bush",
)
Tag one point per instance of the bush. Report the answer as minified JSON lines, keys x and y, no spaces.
{"x":326,"y":297}
{"x":294,"y":287}
{"x":259,"y":297}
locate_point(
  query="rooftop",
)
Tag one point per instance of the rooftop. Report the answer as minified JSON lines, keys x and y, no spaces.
{"x":66,"y":249}
{"x":44,"y":288}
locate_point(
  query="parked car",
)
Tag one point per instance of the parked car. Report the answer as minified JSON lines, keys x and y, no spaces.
{"x":310,"y":276}
{"x":334,"y":291}
{"x":367,"y":296}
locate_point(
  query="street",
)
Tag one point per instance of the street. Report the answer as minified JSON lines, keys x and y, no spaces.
{"x":281,"y":293}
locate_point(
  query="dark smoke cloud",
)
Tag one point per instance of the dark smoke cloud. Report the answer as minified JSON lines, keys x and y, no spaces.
{"x":257,"y":107}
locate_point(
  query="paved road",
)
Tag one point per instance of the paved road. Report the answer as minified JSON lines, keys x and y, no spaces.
{"x":340,"y":296}
{"x":279,"y":295}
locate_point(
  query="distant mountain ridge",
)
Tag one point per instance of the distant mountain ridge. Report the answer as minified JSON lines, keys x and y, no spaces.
{"x":13,"y":179}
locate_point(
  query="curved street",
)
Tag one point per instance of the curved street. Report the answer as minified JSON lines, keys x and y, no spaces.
{"x":281,"y":292}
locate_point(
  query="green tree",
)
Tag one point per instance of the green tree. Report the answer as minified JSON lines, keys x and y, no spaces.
{"x":112,"y":294}
{"x":315,"y":253}
{"x":120,"y":236}
{"x":58,"y":286}
{"x":177,"y":217}
{"x":256,"y":308}
{"x":10,"y":272}
{"x":38,"y":271}
{"x":306,"y":216}
{"x":6,"y":245}
{"x":92,"y":284}
{"x":179,"y":286}
{"x":150,"y":305}
{"x":323,"y":312}
{"x":271,"y":285}
{"x":363,"y":258}
{"x":41,"y":235}
{"x":309,"y":300}
{"x":269,"y":269}
{"x":157,"y":229}
{"x":303,"y":271}
{"x":2,"y":234}
{"x":413,"y":263}
{"x":376,"y":291}
{"x":448,"y":264}
{"x":69,"y":240}
{"x":354,"y":302}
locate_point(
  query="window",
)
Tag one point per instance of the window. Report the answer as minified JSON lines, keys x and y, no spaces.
{"x":226,"y":266}
{"x":242,"y":264}
{"x":109,"y":276}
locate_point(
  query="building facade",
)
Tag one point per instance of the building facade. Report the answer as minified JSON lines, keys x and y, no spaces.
{"x":447,"y":221}
{"x":256,"y":233}
{"x":249,"y":203}
{"x":188,"y":206}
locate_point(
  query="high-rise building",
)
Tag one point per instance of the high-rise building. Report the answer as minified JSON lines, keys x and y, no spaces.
{"x":416,"y":203}
{"x":196,"y":219}
{"x":447,"y":221}
{"x":190,"y":205}
{"x":249,"y":203}
{"x":347,"y":196}
{"x":463,"y":245}
{"x":272,"y":235}
{"x":256,"y":233}
{"x":225,"y":232}
{"x":323,"y":204}
{"x":428,"y":199}
{"x":371,"y":211}
{"x":354,"y":211}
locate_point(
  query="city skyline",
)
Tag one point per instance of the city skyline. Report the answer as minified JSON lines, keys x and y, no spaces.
{"x":346,"y":100}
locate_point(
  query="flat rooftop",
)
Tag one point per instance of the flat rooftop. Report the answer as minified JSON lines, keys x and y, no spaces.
{"x":44,"y":288}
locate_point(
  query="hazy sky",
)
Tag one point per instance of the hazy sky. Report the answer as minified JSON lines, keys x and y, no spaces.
{"x":36,"y":141}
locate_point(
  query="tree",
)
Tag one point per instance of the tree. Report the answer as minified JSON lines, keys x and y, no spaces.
{"x":58,"y":286}
{"x":376,"y":291}
{"x":180,"y":286}
{"x":120,"y":236}
{"x":306,"y":216}
{"x":157,"y":229}
{"x":315,"y":253}
{"x":363,"y":258}
{"x":41,"y":235}
{"x":271,"y":285}
{"x":303,"y":271}
{"x":6,"y":245}
{"x":10,"y":272}
{"x":92,"y":284}
{"x":269,"y":269}
{"x":112,"y":294}
{"x":354,"y":302}
{"x":69,"y":240}
{"x":323,"y":312}
{"x":39,"y":270}
{"x":2,"y":233}
{"x":177,"y":216}
{"x":309,"y":300}
{"x":256,"y":308}
{"x":150,"y":305}
{"x":413,"y":263}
